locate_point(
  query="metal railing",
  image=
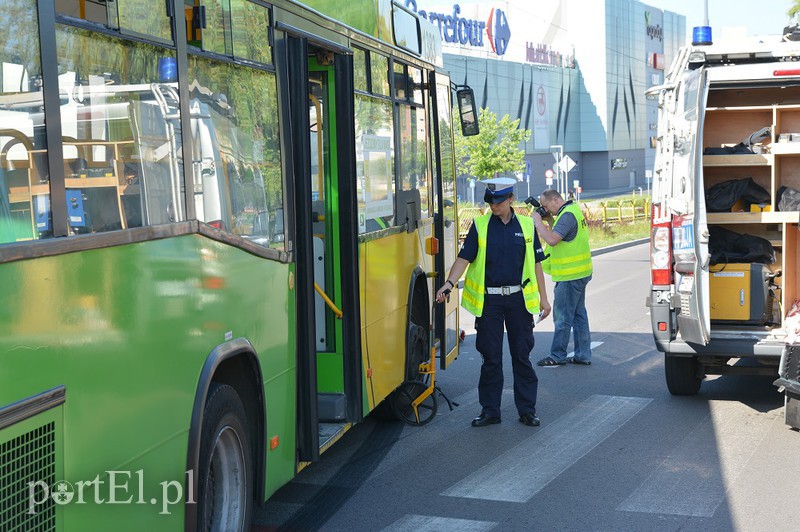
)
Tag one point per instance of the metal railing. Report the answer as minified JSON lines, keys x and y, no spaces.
{"x":602,"y":212}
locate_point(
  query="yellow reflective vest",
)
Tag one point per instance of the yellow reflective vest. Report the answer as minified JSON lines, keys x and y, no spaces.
{"x":474,"y":293}
{"x":571,"y":260}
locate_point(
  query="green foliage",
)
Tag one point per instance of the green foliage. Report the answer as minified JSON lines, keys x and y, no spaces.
{"x":496,"y":149}
{"x":794,"y":10}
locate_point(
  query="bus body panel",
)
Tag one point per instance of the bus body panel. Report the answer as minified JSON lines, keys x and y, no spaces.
{"x":126,"y":330}
{"x":387,"y":265}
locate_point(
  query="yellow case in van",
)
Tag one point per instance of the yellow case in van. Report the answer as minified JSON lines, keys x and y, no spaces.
{"x":739,"y":292}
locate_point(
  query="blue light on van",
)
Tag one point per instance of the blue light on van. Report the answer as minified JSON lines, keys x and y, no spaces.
{"x":701,"y":35}
{"x":167,"y":69}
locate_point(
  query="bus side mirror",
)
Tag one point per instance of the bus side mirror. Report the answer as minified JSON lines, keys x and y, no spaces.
{"x":467,"y":111}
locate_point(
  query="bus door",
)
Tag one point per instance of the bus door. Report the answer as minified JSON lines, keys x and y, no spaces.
{"x":446,"y":318}
{"x":330,"y":375}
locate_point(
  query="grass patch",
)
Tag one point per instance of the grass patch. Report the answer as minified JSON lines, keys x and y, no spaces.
{"x":601,"y":235}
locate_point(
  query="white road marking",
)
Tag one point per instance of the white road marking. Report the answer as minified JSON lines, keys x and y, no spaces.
{"x":694,"y":479}
{"x":426,"y":523}
{"x":591,"y":346}
{"x":522,"y":471}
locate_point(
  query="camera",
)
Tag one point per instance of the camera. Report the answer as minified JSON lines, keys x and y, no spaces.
{"x":538,"y":206}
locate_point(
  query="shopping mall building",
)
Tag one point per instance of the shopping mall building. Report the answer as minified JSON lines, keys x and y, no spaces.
{"x":574,"y":72}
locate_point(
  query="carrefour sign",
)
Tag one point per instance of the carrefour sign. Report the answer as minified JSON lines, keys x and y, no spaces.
{"x":456,"y":29}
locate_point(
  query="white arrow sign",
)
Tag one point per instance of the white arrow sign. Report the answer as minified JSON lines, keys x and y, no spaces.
{"x":566,"y":164}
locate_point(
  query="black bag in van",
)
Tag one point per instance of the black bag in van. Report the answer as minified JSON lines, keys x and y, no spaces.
{"x":744,"y":147}
{"x":722,"y":196}
{"x":727,"y":246}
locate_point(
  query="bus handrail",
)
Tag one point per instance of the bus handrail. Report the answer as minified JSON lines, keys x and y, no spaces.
{"x":328,"y":302}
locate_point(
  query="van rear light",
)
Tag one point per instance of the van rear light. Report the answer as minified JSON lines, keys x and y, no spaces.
{"x":787,"y":72}
{"x":661,"y":253}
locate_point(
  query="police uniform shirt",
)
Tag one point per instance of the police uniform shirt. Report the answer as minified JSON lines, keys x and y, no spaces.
{"x":505,"y":251}
{"x":566,"y":226}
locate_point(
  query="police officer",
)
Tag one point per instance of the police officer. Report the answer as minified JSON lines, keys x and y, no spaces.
{"x":570,"y":266}
{"x":504,"y":286}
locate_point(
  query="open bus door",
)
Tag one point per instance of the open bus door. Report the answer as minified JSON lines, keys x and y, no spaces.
{"x":687,"y":203}
{"x":330,"y":395}
{"x":446,"y":315}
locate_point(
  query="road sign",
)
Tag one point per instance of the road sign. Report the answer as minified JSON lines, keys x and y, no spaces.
{"x":548,"y":181}
{"x":576,"y":183}
{"x":548,"y":174}
{"x":566,"y":164}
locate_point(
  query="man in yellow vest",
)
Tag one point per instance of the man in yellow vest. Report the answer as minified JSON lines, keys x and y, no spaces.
{"x":504,"y":288}
{"x":570,"y":266}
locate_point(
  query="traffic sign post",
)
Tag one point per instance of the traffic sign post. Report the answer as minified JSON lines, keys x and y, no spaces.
{"x":556,"y":168}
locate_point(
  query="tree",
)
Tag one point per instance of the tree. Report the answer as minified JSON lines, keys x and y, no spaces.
{"x":794,"y":10}
{"x":496,"y":149}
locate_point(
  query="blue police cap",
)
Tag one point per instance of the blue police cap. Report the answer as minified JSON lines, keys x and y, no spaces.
{"x":498,"y":189}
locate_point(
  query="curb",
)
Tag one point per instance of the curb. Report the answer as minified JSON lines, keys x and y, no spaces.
{"x":622,"y":245}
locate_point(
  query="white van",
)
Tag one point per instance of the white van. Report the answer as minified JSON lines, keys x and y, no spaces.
{"x":725,"y":240}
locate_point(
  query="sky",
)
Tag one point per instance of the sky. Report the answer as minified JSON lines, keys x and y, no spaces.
{"x":760,"y":17}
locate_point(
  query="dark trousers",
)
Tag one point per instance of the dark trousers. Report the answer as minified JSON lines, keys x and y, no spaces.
{"x":509,"y":310}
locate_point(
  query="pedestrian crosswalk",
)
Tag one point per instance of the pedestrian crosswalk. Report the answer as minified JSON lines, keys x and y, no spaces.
{"x":427,"y":523}
{"x":690,"y":481}
{"x":522,"y":471}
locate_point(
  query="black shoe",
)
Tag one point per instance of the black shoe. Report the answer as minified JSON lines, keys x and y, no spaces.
{"x":573,"y":360}
{"x":530,"y":419}
{"x":484,"y":420}
{"x":550,"y":361}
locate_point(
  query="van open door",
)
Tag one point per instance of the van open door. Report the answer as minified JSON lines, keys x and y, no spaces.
{"x":689,"y":227}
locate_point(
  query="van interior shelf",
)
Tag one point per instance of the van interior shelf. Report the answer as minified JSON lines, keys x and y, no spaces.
{"x":755,"y":159}
{"x":753,"y":217}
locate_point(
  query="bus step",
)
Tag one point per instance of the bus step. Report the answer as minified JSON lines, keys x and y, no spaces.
{"x":332,"y":406}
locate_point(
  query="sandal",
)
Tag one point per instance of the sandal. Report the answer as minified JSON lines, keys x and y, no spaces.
{"x":549,"y":361}
{"x":574,"y":360}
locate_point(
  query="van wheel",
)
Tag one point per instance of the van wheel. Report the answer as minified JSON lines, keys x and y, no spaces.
{"x":225,"y":481}
{"x":682,"y":375}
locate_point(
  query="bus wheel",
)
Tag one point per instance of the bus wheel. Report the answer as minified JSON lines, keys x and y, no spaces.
{"x":682,"y":375}
{"x":225,"y":482}
{"x":404,"y":397}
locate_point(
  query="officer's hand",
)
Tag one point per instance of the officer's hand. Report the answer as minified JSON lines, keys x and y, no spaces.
{"x":545,"y":307}
{"x":443,"y":293}
{"x":536,"y":217}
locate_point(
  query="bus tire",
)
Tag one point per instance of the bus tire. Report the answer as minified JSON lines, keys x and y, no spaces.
{"x":682,"y":375}
{"x":225,"y":477}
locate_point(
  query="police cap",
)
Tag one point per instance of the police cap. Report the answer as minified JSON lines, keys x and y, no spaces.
{"x":498,"y":189}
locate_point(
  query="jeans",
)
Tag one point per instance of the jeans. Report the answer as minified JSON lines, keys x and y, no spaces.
{"x":569,"y":314}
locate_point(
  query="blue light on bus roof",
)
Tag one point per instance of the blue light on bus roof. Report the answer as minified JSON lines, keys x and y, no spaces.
{"x":701,"y":35}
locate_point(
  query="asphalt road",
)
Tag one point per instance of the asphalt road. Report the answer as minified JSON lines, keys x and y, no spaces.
{"x":614,"y":452}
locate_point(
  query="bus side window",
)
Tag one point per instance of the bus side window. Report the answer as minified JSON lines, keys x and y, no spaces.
{"x":236,"y":149}
{"x":120,"y":133}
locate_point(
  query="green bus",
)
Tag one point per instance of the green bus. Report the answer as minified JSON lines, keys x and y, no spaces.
{"x":222,"y":223}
